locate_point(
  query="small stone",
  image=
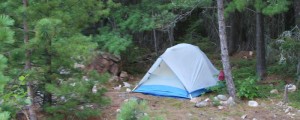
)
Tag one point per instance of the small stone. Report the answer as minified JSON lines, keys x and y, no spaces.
{"x":230,"y":101}
{"x":216,"y":98}
{"x":252,"y":103}
{"x":128,"y":90}
{"x":118,"y":87}
{"x":274,"y":91}
{"x":222,"y":97}
{"x":123,"y":75}
{"x":94,"y":89}
{"x":254,"y":119}
{"x":190,"y":114}
{"x":292,"y":88}
{"x":290,"y":114}
{"x":244,"y":116}
{"x":288,"y":109}
{"x":201,"y":104}
{"x":118,"y":110}
{"x":220,"y":107}
{"x":280,"y":103}
{"x":126,"y":84}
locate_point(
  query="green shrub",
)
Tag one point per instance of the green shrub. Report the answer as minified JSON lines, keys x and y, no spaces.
{"x":220,"y":88}
{"x":4,"y":115}
{"x":134,"y":110}
{"x":294,"y":99}
{"x":247,"y":88}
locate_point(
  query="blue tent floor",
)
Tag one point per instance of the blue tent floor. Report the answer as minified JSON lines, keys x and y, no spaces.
{"x":167,"y":91}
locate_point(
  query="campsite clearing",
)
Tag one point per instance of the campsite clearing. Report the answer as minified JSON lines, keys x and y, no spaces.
{"x":183,"y":109}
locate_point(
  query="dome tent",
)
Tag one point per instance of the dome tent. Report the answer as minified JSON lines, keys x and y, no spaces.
{"x":181,"y":71}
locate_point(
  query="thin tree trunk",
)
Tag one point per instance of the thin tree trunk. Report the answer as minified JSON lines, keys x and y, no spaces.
{"x":171,"y":35}
{"x":296,"y":4}
{"x":155,"y":42}
{"x":224,"y":50}
{"x":32,"y":114}
{"x":260,"y":46}
{"x":234,"y":33}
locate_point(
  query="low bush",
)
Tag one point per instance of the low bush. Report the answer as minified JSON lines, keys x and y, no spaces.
{"x":247,"y":88}
{"x":134,"y":110}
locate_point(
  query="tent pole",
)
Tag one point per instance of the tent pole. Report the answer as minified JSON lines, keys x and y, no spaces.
{"x":191,"y":96}
{"x":134,"y":88}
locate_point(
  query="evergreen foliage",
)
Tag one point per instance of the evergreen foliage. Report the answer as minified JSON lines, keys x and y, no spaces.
{"x":134,"y":110}
{"x":267,"y":7}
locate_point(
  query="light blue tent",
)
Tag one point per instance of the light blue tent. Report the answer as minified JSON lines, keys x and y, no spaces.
{"x":181,"y":71}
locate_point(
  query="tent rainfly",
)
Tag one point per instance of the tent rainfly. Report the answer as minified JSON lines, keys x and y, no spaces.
{"x":182,"y":71}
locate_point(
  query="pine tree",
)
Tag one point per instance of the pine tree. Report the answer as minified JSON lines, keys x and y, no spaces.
{"x":56,"y":44}
{"x":262,"y":7}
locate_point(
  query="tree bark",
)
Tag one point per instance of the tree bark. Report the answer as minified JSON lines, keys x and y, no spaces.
{"x":297,"y":12}
{"x":155,"y":42}
{"x":260,"y":47}
{"x":171,"y":35}
{"x":234,"y":33}
{"x":224,"y":50}
{"x":30,"y":93}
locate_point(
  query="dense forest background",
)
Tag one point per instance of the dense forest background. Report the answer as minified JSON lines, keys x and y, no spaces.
{"x":41,"y":40}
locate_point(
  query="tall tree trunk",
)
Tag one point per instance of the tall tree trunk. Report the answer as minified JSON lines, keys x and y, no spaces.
{"x":297,"y":12}
{"x":155,"y":42}
{"x":30,"y":93}
{"x":260,"y":46}
{"x":171,"y":35}
{"x":224,"y":50}
{"x":234,"y":33}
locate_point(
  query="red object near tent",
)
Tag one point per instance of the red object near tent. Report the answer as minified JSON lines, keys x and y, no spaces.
{"x":221,"y":75}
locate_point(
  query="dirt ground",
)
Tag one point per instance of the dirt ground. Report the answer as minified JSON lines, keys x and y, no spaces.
{"x":183,"y":109}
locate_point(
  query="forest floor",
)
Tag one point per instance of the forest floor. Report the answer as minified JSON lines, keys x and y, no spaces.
{"x":269,"y":108}
{"x":183,"y":109}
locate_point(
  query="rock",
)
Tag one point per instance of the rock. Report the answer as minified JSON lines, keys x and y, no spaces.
{"x":254,"y":119}
{"x":85,"y":78}
{"x":128,"y":90}
{"x":201,"y":104}
{"x":252,"y":103}
{"x":118,"y":87}
{"x":290,"y":114}
{"x":292,"y":88}
{"x":123,"y":76}
{"x":288,"y":109}
{"x":220,"y":107}
{"x":77,"y":65}
{"x":118,"y":110}
{"x":222,"y":97}
{"x":207,"y":100}
{"x":274,"y":91}
{"x":216,"y":98}
{"x":94,"y":89}
{"x":244,"y":116}
{"x":190,"y":114}
{"x":229,"y":102}
{"x":126,"y":84}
